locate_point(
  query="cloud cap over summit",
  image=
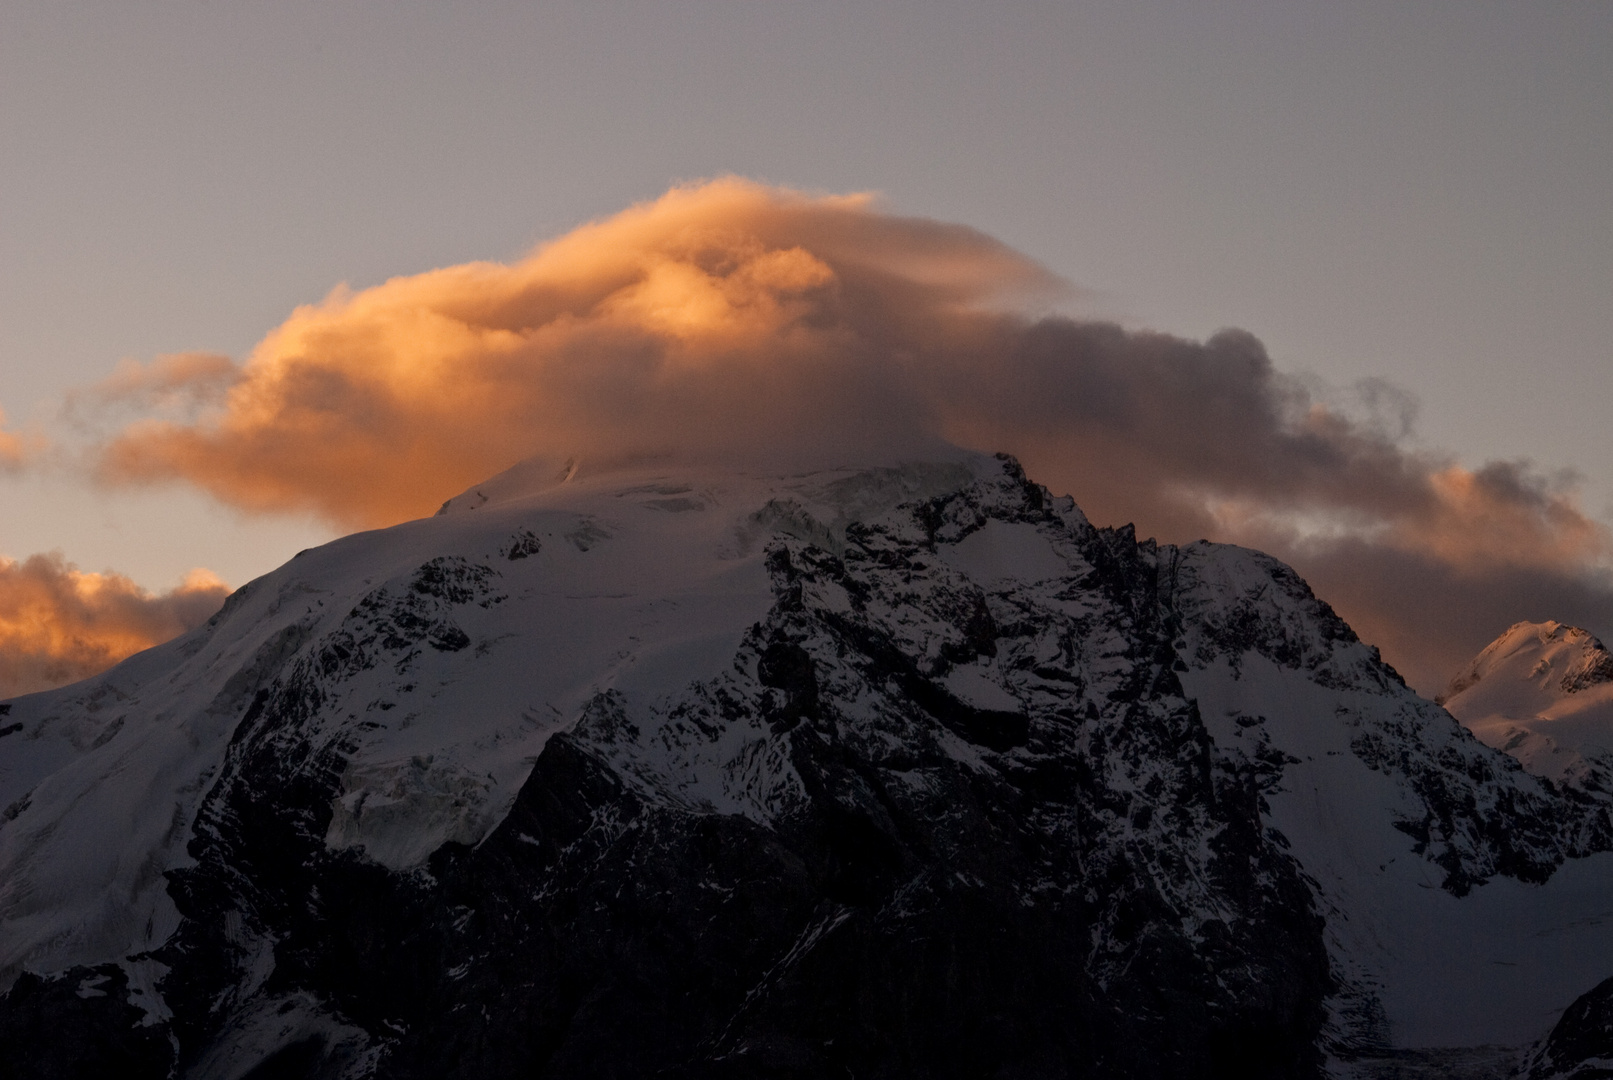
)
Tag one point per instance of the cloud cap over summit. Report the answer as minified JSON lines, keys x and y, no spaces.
{"x":730,"y":321}
{"x":725,"y":319}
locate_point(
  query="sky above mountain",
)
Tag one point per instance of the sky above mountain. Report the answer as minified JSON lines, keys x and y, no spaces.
{"x":1403,"y":212}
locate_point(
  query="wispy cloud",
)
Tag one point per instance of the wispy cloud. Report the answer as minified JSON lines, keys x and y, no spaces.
{"x":176,"y":383}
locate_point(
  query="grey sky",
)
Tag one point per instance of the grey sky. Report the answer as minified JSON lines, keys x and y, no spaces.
{"x":1414,"y":191}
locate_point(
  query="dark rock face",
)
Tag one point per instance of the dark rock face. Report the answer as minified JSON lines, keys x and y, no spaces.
{"x":79,"y":1023}
{"x":900,"y":877}
{"x":1580,"y":1047}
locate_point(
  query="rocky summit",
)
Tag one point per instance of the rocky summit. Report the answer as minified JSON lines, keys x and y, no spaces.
{"x":902,"y":770}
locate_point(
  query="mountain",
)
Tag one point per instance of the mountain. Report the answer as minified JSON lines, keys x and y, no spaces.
{"x":897,"y":770}
{"x":1543,"y":692}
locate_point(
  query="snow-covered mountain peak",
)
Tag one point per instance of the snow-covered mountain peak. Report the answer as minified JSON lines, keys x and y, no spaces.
{"x":442,"y":654}
{"x":836,"y":490}
{"x":1552,"y":657}
{"x":1543,"y":692}
{"x":699,"y":771}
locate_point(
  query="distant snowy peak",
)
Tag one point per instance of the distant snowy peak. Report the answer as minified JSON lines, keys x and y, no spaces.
{"x":1543,"y":692}
{"x":1556,"y":659}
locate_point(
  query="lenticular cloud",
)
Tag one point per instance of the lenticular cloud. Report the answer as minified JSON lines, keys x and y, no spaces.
{"x":734,"y":322}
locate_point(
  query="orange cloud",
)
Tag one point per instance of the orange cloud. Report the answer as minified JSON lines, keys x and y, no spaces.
{"x":736,"y":321}
{"x":719,"y":317}
{"x":16,"y":450}
{"x":59,"y":624}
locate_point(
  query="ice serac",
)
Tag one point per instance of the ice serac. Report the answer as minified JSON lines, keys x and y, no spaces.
{"x":1543,"y":692}
{"x":895,"y":770}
